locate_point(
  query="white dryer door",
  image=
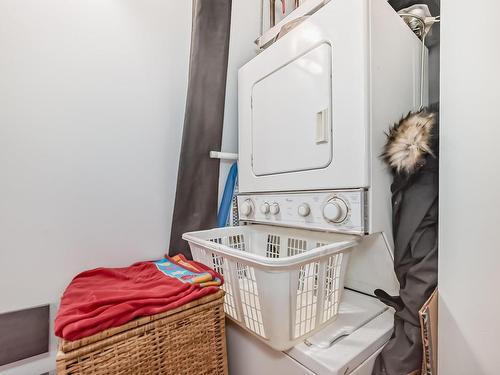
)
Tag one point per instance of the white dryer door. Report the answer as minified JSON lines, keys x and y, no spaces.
{"x":292,"y":115}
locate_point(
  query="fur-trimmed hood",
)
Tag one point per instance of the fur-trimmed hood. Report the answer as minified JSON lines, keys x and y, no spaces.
{"x":410,"y":141}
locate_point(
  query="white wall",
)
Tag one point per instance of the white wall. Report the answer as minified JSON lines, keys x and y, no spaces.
{"x":92,"y":96}
{"x":245,"y":28}
{"x":469,"y":259}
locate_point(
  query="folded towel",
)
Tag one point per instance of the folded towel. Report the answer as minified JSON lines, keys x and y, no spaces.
{"x":102,"y":298}
{"x":188,"y":271}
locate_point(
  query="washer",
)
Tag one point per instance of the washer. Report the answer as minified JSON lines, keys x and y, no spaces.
{"x":353,"y":352}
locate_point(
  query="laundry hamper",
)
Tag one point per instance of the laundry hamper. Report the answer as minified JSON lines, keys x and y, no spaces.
{"x":282,"y":284}
{"x":187,"y":340}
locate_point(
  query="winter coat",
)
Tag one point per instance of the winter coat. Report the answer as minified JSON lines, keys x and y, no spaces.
{"x":412,"y":154}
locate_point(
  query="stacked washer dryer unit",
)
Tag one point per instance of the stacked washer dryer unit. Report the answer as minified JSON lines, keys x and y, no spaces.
{"x":313,"y":111}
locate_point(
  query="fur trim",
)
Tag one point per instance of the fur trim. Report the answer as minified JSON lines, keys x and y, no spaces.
{"x":409,"y":142}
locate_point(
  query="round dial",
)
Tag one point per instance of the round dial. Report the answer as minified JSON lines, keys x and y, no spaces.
{"x":275,"y":208}
{"x":264,"y":208}
{"x":304,"y":210}
{"x":246,"y":207}
{"x":335,"y":210}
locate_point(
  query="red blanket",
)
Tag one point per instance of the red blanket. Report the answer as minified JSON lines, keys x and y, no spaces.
{"x":109,"y":297}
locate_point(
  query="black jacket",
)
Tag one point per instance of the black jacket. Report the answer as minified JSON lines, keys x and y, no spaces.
{"x":415,"y":231}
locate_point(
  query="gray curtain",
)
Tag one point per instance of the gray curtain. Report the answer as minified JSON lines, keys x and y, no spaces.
{"x":198,"y":176}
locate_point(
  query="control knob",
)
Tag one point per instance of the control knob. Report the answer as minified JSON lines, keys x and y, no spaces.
{"x":275,"y":208}
{"x":304,"y":210}
{"x":264,"y":208}
{"x":335,"y":210}
{"x":246,"y":207}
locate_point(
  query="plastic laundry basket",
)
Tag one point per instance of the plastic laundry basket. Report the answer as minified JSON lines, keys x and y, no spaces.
{"x":281,"y":284}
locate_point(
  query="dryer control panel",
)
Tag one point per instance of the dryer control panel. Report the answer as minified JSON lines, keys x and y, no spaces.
{"x":336,"y":211}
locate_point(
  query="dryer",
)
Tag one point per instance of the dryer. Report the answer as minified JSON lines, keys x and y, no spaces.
{"x":314,"y":106}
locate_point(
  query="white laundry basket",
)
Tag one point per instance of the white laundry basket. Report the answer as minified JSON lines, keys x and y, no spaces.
{"x":281,"y":284}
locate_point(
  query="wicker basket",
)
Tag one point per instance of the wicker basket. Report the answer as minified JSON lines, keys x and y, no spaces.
{"x":187,"y":340}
